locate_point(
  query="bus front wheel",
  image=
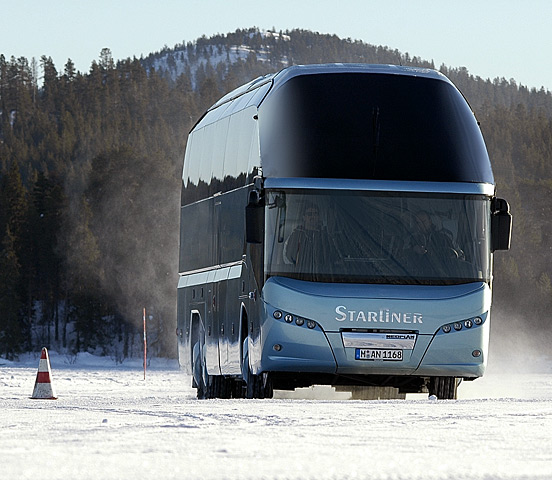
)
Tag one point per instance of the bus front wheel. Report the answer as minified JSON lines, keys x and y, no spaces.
{"x":444,"y":388}
{"x":256,"y":386}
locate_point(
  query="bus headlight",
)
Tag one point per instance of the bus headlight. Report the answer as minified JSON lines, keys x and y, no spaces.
{"x":290,"y":318}
{"x":468,"y":323}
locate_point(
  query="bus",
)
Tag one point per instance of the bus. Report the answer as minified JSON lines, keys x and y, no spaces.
{"x":338,"y":225}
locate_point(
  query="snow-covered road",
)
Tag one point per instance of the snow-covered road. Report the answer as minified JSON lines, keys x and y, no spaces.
{"x":109,"y":423}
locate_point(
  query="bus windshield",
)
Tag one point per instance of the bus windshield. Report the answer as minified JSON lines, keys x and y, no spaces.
{"x":373,"y":237}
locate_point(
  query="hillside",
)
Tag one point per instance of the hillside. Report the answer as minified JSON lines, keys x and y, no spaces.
{"x":90,"y":183}
{"x":267,"y":52}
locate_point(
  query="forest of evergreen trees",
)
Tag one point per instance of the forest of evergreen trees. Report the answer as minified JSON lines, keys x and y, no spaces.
{"x":90,"y":167}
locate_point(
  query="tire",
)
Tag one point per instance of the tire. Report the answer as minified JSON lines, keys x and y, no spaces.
{"x":444,"y":388}
{"x":224,"y":389}
{"x":256,"y":386}
{"x":209,"y":386}
{"x":200,"y":382}
{"x":238,"y":389}
{"x":253,"y":386}
{"x":268,"y":389}
{"x":259,"y":386}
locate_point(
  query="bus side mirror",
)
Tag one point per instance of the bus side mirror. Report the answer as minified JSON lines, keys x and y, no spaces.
{"x":254,"y":218}
{"x":501,"y":225}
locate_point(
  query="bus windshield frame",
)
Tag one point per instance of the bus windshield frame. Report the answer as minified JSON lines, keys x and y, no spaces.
{"x":405,"y":238}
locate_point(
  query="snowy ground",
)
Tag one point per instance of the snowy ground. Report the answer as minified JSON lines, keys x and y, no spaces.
{"x":109,"y":423}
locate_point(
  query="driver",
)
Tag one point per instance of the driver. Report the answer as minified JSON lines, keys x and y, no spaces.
{"x":309,"y":246}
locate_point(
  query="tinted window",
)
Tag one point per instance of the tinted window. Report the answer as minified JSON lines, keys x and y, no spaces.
{"x":220,"y":155}
{"x":371,"y":126}
{"x":231,"y":225}
{"x":196,"y":236}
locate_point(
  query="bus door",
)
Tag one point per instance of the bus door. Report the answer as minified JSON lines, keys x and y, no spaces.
{"x":237,"y":298}
{"x":229,"y":285}
{"x":211,"y":327}
{"x":219,"y":315}
{"x":227,"y":313}
{"x":218,"y":294}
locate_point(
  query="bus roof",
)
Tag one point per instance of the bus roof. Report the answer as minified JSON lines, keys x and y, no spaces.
{"x":287,"y":73}
{"x":293,"y":71}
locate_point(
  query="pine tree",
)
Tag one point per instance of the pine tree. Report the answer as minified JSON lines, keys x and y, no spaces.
{"x":13,"y":204}
{"x":12,"y":331}
{"x":47,"y":209}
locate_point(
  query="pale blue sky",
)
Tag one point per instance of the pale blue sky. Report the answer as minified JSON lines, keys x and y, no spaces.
{"x":491,"y":38}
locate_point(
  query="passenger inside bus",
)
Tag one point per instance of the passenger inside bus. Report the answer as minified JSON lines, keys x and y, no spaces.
{"x":431,"y":241}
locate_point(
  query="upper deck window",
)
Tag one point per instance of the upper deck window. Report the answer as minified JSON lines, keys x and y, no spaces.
{"x":371,"y":126}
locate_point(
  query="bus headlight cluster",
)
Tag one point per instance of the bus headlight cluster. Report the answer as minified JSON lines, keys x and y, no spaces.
{"x":464,"y":324}
{"x":289,"y":318}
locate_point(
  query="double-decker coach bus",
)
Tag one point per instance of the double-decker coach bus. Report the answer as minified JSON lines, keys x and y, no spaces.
{"x":338,"y":224}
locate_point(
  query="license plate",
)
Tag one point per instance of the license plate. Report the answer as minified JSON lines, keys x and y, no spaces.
{"x":379,"y":354}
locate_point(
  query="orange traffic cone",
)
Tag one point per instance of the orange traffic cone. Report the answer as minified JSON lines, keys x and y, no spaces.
{"x":43,"y":384}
